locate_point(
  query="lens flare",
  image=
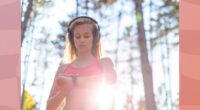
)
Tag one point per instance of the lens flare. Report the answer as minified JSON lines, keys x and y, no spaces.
{"x":105,"y":96}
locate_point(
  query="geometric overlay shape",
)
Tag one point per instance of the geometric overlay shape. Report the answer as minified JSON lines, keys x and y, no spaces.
{"x":10,"y":93}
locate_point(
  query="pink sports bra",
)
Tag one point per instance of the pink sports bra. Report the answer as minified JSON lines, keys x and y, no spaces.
{"x":83,"y":98}
{"x":92,"y":69}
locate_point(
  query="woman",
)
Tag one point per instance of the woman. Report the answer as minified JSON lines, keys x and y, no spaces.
{"x":76,"y":83}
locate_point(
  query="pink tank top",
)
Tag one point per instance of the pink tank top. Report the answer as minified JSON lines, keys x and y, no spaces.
{"x":81,"y":98}
{"x":92,"y":69}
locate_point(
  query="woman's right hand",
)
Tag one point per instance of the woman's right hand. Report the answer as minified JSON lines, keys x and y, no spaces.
{"x":64,"y":82}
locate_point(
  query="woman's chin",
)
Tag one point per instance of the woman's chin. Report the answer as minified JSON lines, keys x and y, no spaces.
{"x":83,"y":51}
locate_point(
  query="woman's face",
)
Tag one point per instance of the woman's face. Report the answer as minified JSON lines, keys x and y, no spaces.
{"x":83,"y":38}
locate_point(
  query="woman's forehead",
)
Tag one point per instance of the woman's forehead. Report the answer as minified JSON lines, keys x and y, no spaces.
{"x":83,"y":28}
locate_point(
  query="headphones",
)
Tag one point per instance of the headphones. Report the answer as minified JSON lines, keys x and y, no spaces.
{"x":70,"y":33}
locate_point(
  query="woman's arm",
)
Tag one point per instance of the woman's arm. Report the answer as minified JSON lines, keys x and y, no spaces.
{"x":58,"y":90}
{"x":55,"y":101}
{"x":108,"y":70}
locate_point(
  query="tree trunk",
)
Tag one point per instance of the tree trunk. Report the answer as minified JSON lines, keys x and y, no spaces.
{"x":26,"y":18}
{"x":146,"y":68}
{"x":77,"y":5}
{"x":86,"y":7}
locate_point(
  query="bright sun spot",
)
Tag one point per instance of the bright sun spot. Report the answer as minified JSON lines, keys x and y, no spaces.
{"x":105,"y":96}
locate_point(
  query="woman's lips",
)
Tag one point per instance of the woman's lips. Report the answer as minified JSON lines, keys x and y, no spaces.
{"x":82,"y":45}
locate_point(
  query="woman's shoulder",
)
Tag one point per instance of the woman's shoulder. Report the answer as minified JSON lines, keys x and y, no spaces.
{"x":108,"y":67}
{"x":106,"y":62}
{"x":61,"y":68}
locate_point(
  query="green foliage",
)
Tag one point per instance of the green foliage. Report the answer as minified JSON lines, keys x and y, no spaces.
{"x":165,"y":21}
{"x":138,"y":17}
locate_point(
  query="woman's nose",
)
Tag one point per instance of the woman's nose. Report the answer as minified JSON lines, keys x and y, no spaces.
{"x":82,"y":38}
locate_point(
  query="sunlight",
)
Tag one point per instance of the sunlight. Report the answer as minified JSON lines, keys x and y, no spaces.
{"x":105,"y":96}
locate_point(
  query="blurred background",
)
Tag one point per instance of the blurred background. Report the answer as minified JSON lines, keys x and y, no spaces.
{"x":140,"y":36}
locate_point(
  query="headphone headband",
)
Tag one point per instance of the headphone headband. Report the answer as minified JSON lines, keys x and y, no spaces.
{"x":87,"y":17}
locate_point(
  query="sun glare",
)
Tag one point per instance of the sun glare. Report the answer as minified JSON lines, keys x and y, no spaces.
{"x":105,"y":96}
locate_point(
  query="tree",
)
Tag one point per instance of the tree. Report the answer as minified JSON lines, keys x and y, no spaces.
{"x":27,"y":15}
{"x":146,"y":67}
{"x":163,"y":36}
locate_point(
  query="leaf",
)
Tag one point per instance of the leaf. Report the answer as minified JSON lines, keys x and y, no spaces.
{"x":29,"y":102}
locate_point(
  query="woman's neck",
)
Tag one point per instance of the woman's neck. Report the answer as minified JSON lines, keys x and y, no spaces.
{"x":84,"y":58}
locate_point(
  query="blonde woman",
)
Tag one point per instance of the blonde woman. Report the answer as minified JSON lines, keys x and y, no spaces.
{"x":76,"y":83}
